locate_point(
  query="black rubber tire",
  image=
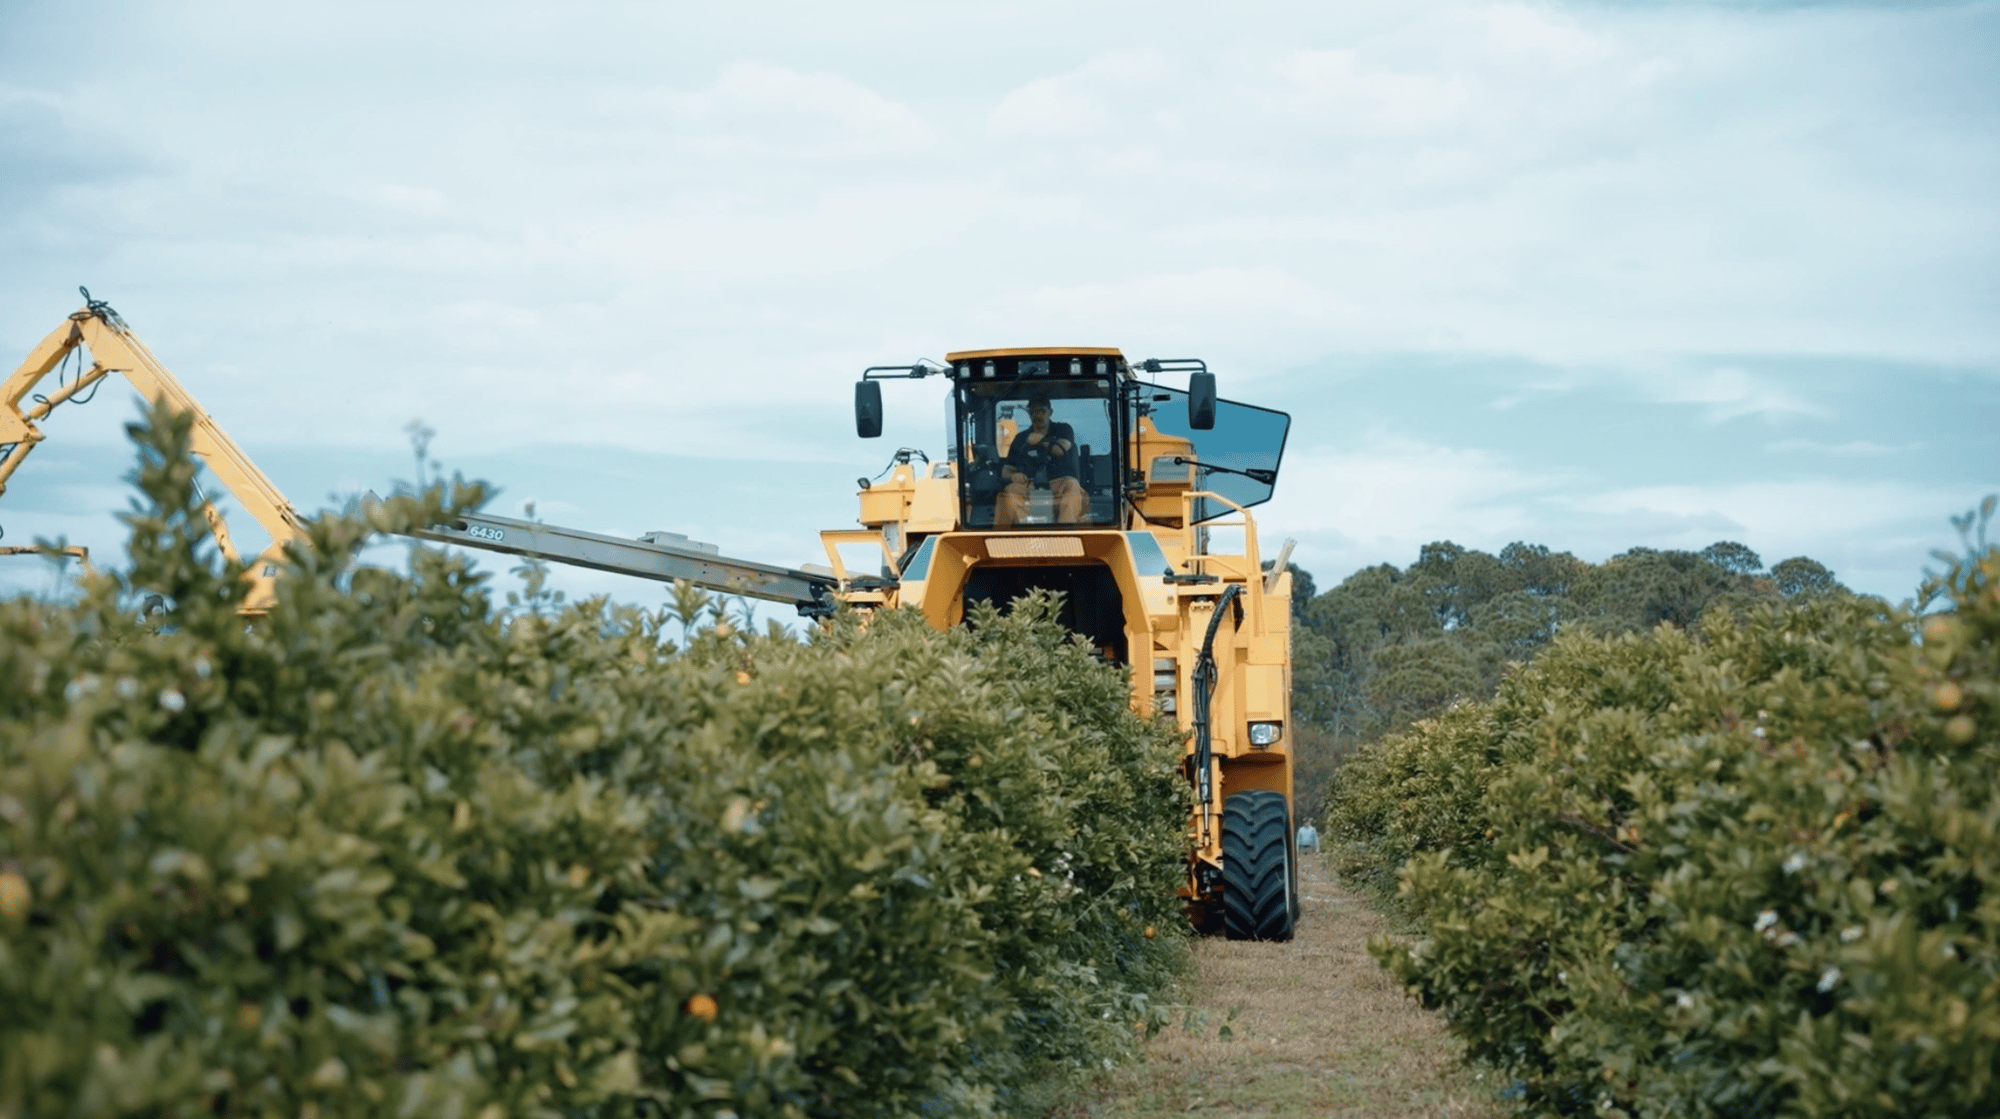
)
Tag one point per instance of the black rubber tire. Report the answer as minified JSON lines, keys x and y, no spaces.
{"x":1257,"y":882}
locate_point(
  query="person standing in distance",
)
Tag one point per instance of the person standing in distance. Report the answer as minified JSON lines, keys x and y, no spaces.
{"x":1044,"y":451}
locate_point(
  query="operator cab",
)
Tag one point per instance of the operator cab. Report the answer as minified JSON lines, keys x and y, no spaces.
{"x":1016,"y":476}
{"x":1100,"y":468}
{"x":1115,"y":451}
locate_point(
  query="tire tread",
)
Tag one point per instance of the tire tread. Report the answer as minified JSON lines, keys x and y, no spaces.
{"x":1256,"y":866}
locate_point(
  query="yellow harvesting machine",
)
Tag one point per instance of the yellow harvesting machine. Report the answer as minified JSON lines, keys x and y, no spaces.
{"x":1067,"y":472}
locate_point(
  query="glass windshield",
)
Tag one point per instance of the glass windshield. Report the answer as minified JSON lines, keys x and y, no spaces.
{"x":1037,"y":450}
{"x":1245,"y":438}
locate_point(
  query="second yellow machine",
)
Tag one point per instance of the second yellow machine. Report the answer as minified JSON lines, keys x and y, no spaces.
{"x":1067,"y":472}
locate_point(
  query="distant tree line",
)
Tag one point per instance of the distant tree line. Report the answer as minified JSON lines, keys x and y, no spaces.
{"x":1389,"y":646}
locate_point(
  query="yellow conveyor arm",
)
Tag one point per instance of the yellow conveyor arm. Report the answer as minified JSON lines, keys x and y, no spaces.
{"x":113,"y":348}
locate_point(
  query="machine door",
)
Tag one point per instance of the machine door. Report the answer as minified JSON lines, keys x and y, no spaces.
{"x":1246,"y":438}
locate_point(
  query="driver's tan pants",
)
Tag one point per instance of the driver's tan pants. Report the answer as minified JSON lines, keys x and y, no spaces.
{"x":1011,"y":507}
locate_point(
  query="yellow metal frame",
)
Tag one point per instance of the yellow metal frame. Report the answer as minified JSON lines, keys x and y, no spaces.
{"x":832,"y":538}
{"x":114,"y":349}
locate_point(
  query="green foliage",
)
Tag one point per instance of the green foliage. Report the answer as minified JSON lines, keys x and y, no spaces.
{"x":1800,"y":575}
{"x":1746,"y":869}
{"x":398,"y":849}
{"x":1388,"y":647}
{"x":1409,"y":793}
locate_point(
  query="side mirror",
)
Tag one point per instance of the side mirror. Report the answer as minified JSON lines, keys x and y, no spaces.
{"x":868,"y":409}
{"x":1201,"y":400}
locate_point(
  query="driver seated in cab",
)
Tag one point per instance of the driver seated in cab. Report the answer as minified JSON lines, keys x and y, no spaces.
{"x":1044,"y":452}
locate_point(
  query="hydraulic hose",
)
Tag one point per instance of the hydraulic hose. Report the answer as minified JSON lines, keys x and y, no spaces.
{"x":1204,"y":692}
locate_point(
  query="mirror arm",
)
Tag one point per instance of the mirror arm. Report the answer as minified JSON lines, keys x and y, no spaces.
{"x":868,"y":394}
{"x":914,"y":372}
{"x":1255,"y":474}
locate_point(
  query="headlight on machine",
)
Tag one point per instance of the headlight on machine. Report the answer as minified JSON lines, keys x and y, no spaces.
{"x":1266,"y":734}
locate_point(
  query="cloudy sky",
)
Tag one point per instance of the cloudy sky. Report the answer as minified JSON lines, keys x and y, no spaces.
{"x":1590,"y":275}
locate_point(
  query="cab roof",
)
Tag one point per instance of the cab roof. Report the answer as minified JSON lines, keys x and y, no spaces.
{"x":1037,"y":351}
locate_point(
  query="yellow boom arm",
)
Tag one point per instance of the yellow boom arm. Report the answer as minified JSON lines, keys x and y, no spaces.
{"x":112,"y":349}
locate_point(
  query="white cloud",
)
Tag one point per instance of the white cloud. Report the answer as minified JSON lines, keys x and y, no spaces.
{"x":773,"y":111}
{"x":1858,"y":448}
{"x":1048,"y":106}
{"x":1395,"y":494}
{"x":1541,"y":38}
{"x":1102,"y":94}
{"x":1727,"y":393}
{"x":692,"y":230}
{"x":1876,"y":536}
{"x":420,"y":201}
{"x":1346,"y":95}
{"x":1179,"y":308}
{"x":1808,"y":516}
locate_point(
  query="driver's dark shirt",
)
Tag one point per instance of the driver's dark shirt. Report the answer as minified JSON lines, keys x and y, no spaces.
{"x":1060,"y":466}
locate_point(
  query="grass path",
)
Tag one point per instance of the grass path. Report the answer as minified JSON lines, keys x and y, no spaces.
{"x":1315,"y":1028}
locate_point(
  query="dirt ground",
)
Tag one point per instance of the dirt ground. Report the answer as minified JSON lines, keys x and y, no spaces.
{"x":1310,"y":1028}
